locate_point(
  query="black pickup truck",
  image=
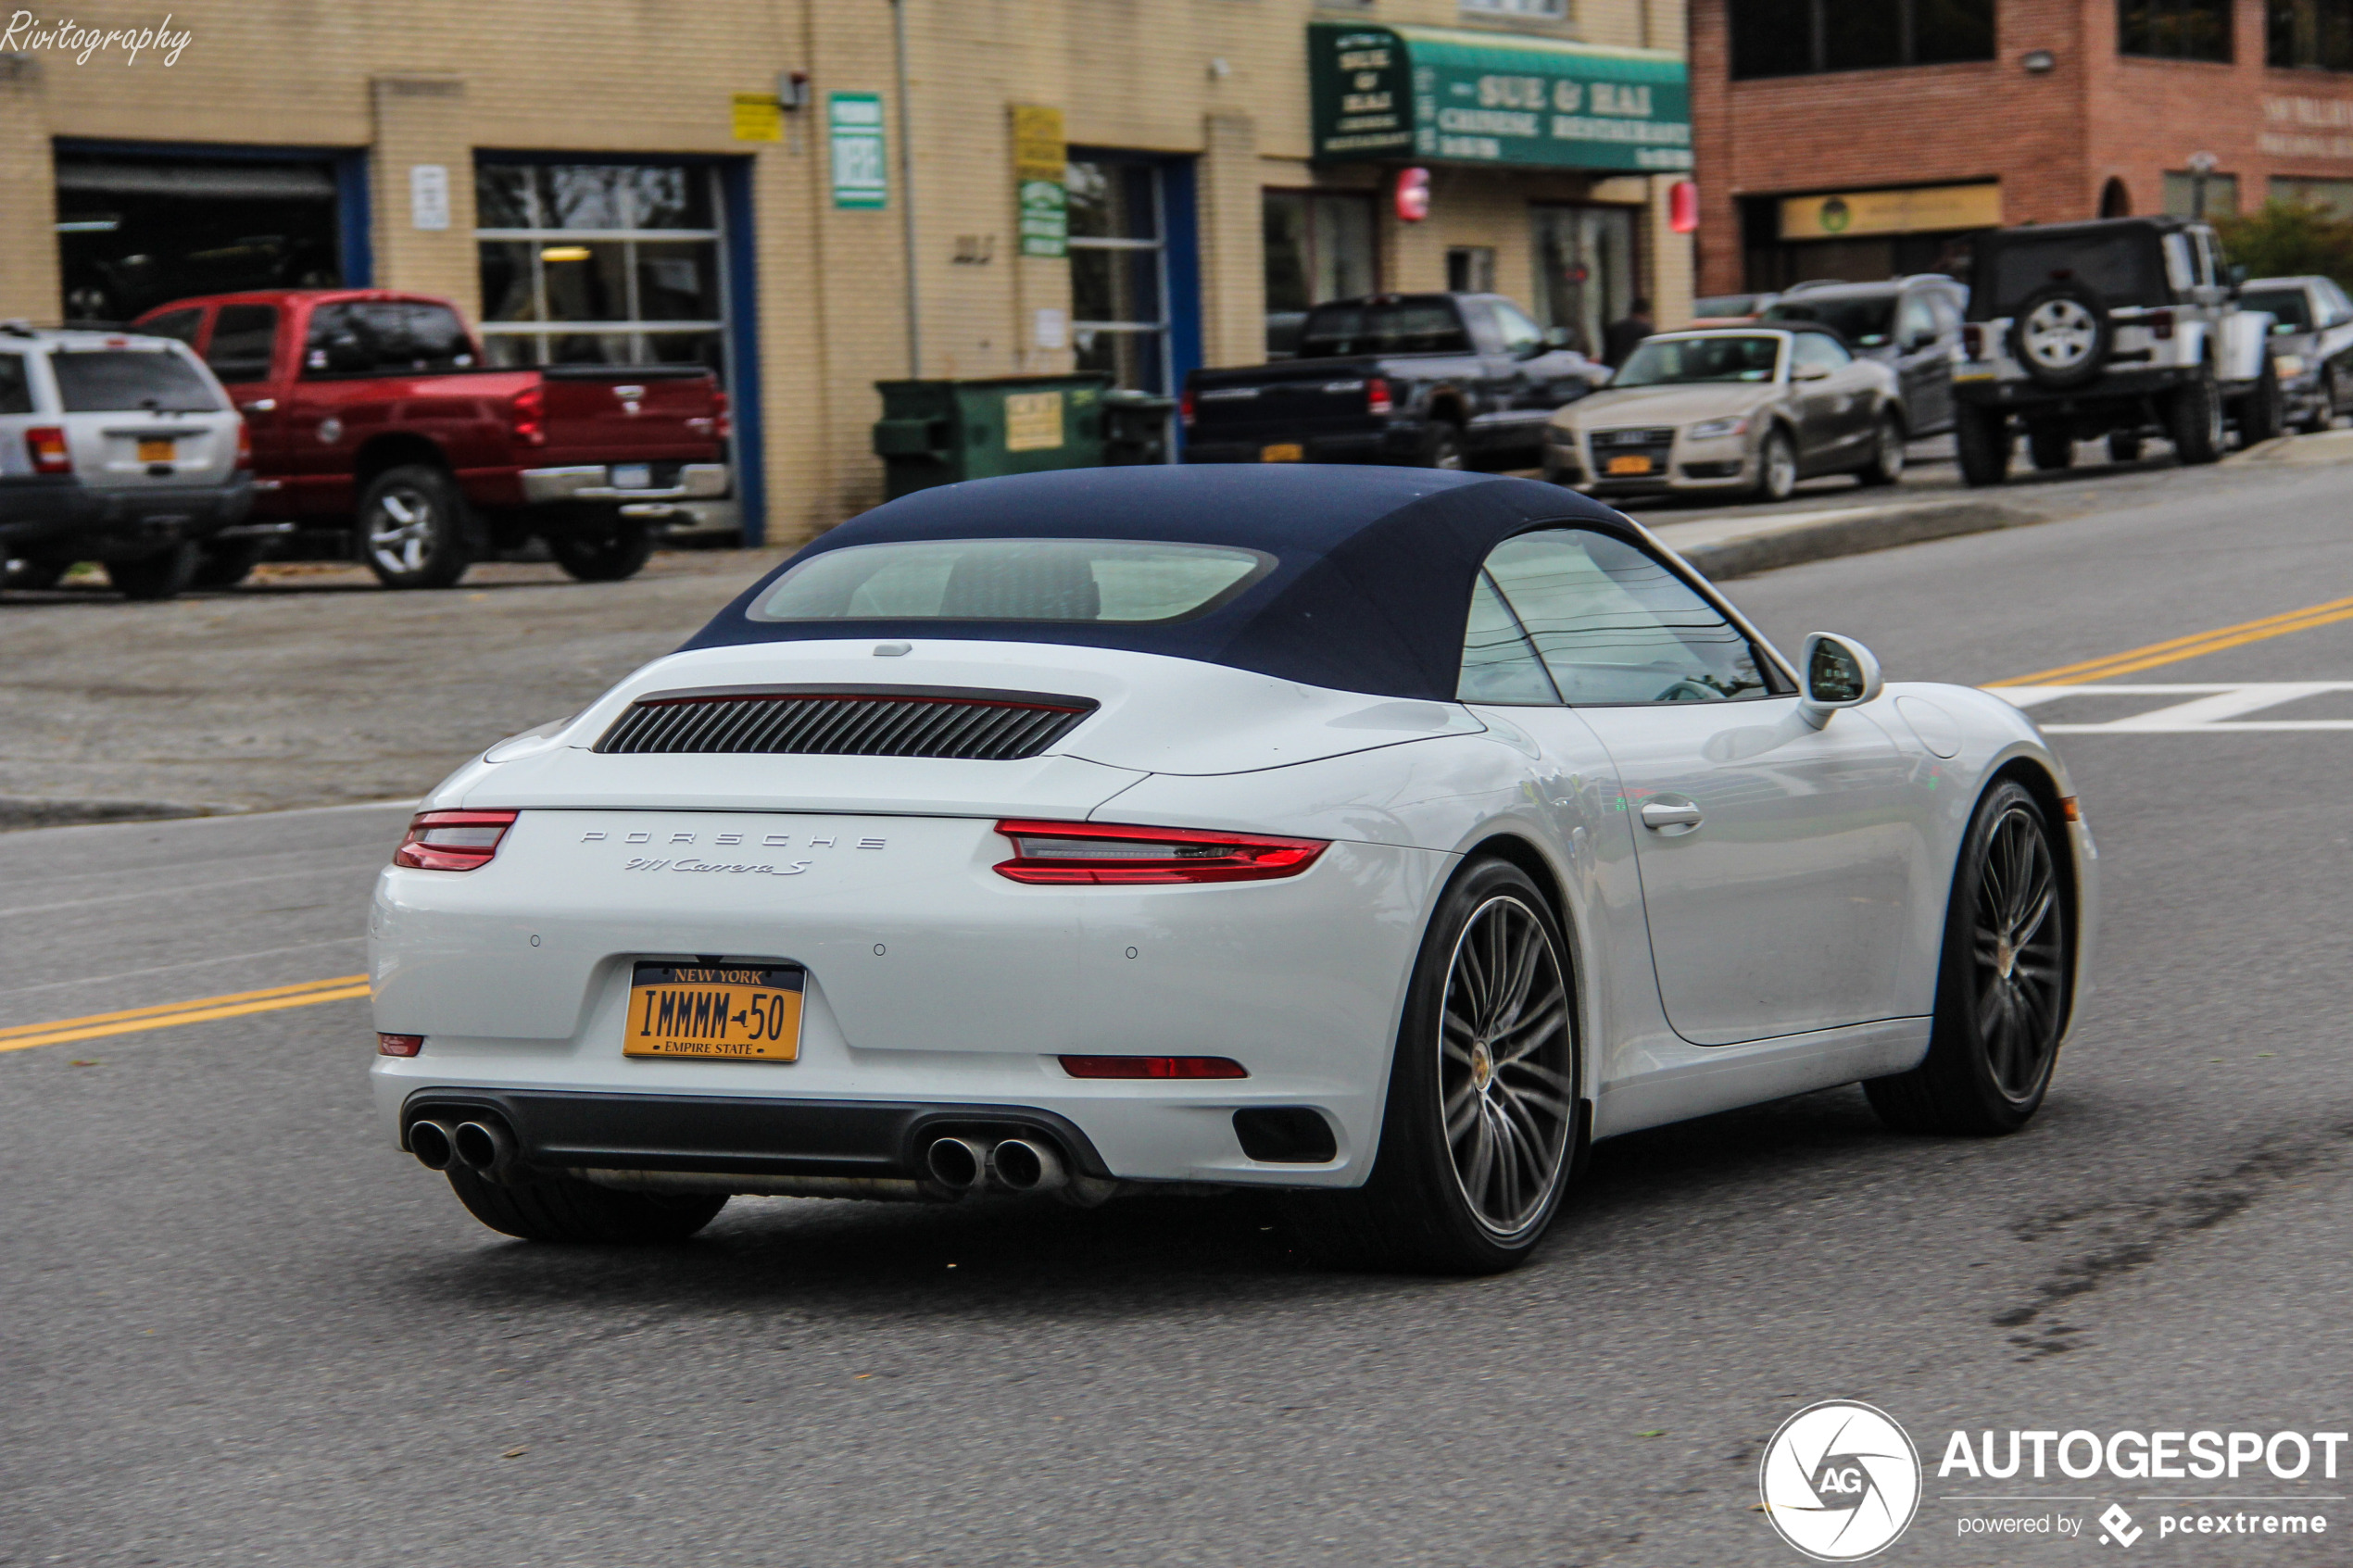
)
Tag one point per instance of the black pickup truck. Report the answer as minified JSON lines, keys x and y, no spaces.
{"x":1426,"y":380}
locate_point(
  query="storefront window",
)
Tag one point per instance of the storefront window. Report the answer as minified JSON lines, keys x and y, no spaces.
{"x":2311,"y":34}
{"x":599,"y":264}
{"x":1584,"y":271}
{"x":2174,"y":29}
{"x":1319,"y":247}
{"x":1118,"y":283}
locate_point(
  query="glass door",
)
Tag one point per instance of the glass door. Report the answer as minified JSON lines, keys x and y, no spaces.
{"x":1119,"y":272}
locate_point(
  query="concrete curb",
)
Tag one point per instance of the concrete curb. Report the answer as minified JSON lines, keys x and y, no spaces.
{"x":1860,"y":532}
{"x":19,"y":811}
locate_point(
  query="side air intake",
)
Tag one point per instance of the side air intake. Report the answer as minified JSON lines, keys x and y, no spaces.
{"x":883,"y":722}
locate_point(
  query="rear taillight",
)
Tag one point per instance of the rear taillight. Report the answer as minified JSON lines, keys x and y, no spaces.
{"x":45,"y":445}
{"x":1185,"y":407}
{"x":452,"y":841}
{"x":722,"y":422}
{"x":1153,"y":1067}
{"x":2159,"y":322}
{"x":1111,"y":854}
{"x":399,"y":1045}
{"x":245,"y":445}
{"x":527,"y":416}
{"x":1376,"y":396}
{"x":1972,"y":342}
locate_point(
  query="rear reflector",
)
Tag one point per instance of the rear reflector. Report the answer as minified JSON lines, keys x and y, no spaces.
{"x":1153,"y":1067}
{"x":452,"y":841}
{"x":399,"y":1045}
{"x":1113,"y":854}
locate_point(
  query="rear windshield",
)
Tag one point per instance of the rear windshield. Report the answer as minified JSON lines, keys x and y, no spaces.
{"x":1061,"y":580}
{"x":105,"y":381}
{"x":1662,"y":361}
{"x":2124,"y":269}
{"x":1862,"y":319}
{"x":2288,"y":305}
{"x":1405,"y":326}
{"x":385,"y":338}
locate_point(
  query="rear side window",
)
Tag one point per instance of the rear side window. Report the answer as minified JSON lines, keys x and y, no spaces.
{"x":1499,"y":662}
{"x":385,"y":338}
{"x":1613,"y":626}
{"x":1404,"y":326}
{"x":2122,"y":269}
{"x":16,"y":391}
{"x":244,"y":341}
{"x":103,"y":381}
{"x":1052,"y":580}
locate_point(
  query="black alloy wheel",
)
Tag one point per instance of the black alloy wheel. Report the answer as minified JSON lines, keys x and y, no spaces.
{"x":2002,"y":989}
{"x":160,"y":574}
{"x":2193,"y":419}
{"x":1886,"y":466}
{"x":413,"y":531}
{"x":609,"y":556}
{"x":2050,"y":446}
{"x":1482,"y":1130}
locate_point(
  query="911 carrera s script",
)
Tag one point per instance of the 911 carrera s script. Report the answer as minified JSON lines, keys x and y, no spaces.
{"x":763,"y":869}
{"x":730,"y":1014}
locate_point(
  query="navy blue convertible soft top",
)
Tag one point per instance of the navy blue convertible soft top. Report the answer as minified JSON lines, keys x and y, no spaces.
{"x":1370,"y":590}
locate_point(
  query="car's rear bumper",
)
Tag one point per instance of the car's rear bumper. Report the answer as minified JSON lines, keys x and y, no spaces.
{"x":66,"y":516}
{"x":2116,"y":385}
{"x":597,"y":482}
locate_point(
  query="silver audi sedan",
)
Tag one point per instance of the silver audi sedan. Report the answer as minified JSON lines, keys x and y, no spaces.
{"x":1732,"y":409}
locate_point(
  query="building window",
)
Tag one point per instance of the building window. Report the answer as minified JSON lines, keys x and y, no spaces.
{"x":2313,"y":34}
{"x":1805,"y":37}
{"x":599,"y":264}
{"x":2174,"y":29}
{"x":2332,"y":196}
{"x":1319,"y":247}
{"x":1470,"y":269}
{"x":1119,"y":271}
{"x":2222,"y":196}
{"x":1585,"y":270}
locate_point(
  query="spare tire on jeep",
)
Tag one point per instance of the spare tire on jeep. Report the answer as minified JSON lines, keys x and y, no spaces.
{"x":2062,"y":334}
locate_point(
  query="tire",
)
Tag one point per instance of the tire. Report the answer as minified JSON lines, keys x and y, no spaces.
{"x":563,"y":1209}
{"x":2340,"y":395}
{"x":224,"y":563}
{"x":2124,"y":447}
{"x":1777,"y":468}
{"x":1441,"y":1202}
{"x":2193,"y":419}
{"x":412,"y":528}
{"x":159,"y":575}
{"x":1442,"y":445}
{"x":1997,"y":1036}
{"x":33,"y":576}
{"x":1981,"y":441}
{"x":2263,"y":411}
{"x":604,"y":558}
{"x":1887,"y":453}
{"x":2062,"y":335}
{"x":2050,"y":446}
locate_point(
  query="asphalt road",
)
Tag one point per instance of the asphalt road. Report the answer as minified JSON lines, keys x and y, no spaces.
{"x":238,"y":1327}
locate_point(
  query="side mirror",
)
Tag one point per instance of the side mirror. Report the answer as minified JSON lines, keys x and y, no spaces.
{"x":1810,"y":373}
{"x":1838,"y":672}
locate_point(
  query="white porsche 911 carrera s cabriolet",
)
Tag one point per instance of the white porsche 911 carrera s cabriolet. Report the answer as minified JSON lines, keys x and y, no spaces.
{"x":1382,"y":835}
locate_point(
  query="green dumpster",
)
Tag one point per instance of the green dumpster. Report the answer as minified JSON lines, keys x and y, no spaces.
{"x":1135,"y":427}
{"x":940,"y":431}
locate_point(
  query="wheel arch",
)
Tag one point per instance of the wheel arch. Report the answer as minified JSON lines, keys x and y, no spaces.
{"x":381,"y":454}
{"x":1448,"y":403}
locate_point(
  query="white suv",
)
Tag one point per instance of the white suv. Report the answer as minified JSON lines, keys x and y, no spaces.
{"x":115,"y":448}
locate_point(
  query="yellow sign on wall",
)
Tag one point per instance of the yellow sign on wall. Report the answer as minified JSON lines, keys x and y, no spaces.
{"x":1033,"y":420}
{"x":1040,"y":151}
{"x":1918,"y":210}
{"x":758,"y":116}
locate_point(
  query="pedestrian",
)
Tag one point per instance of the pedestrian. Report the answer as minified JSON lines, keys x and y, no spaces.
{"x":1620,"y":340}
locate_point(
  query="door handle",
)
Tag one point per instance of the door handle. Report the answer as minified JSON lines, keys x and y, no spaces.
{"x":260,"y":406}
{"x":1657,"y":815}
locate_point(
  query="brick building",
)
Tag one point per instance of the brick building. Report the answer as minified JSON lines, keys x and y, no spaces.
{"x":650,"y":180}
{"x":1857,"y":138}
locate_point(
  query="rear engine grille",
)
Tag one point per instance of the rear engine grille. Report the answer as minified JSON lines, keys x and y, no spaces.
{"x":982,"y":726}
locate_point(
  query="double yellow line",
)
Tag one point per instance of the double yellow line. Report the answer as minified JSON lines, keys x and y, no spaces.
{"x":2175,"y":650}
{"x":168,"y":1015}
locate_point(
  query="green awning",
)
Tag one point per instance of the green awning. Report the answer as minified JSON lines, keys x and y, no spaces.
{"x":1430,"y":94}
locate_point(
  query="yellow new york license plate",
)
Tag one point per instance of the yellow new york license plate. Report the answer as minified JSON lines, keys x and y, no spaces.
{"x":156,"y":451}
{"x":1630,"y":465}
{"x":1282,"y":451}
{"x":724,"y":1013}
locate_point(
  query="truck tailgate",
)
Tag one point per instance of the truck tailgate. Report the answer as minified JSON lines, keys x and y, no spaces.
{"x":600,"y":413}
{"x":1271,"y":402}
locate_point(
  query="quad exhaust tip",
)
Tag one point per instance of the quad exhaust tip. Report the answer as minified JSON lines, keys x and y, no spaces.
{"x":1016,"y":1165}
{"x":1024,"y":1166}
{"x":959,"y":1164}
{"x":484,"y":1148}
{"x":433,"y":1144}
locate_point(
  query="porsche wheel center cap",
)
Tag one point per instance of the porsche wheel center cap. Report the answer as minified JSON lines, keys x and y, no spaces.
{"x":2005,"y":958}
{"x":1482,"y":1066}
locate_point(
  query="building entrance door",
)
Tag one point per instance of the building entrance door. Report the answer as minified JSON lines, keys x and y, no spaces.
{"x":1585,"y":269}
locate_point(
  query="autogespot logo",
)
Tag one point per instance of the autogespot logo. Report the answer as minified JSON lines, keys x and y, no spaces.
{"x":1841,"y":1481}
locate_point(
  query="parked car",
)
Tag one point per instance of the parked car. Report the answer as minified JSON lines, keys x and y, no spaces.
{"x":376,"y":416}
{"x":1749,"y":409}
{"x":1912,"y":324}
{"x":2121,"y":326}
{"x":1730,"y":310}
{"x":2311,"y":346}
{"x":116,"y":449}
{"x":1437,"y":380}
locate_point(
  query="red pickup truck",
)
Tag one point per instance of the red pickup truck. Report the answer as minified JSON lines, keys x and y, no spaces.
{"x":375,"y":414}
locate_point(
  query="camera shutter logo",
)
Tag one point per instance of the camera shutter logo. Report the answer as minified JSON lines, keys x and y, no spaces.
{"x":1841,"y":1481}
